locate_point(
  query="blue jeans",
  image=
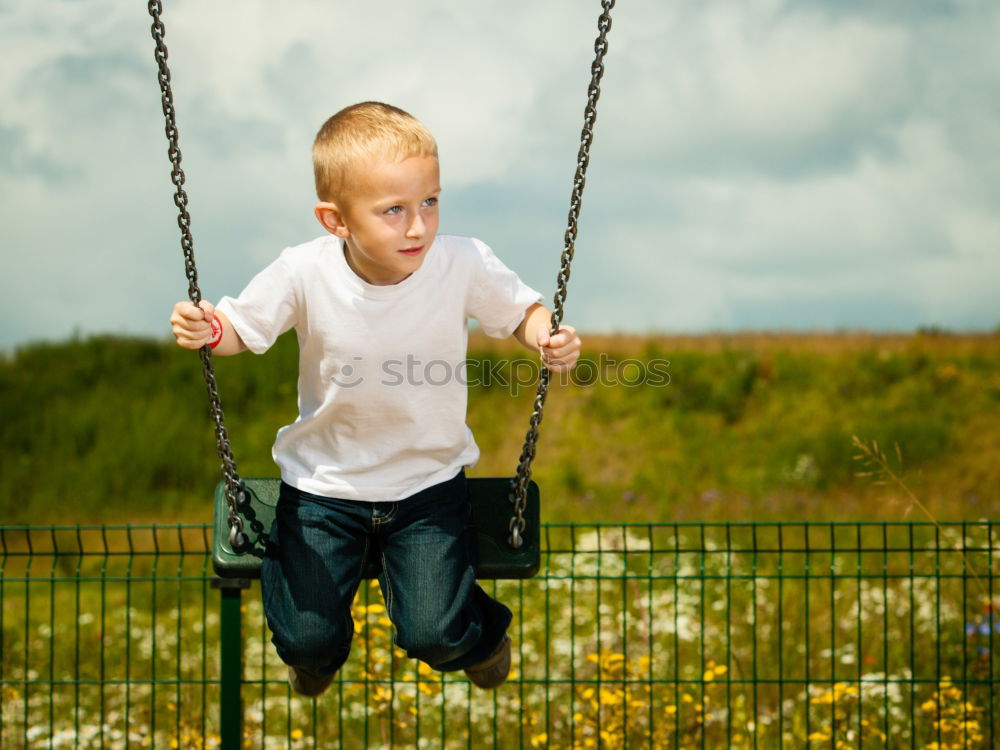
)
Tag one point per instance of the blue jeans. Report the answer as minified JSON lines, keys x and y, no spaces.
{"x":313,"y":566}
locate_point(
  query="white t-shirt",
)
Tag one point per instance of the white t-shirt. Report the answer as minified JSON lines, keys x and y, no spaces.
{"x":382,"y":378}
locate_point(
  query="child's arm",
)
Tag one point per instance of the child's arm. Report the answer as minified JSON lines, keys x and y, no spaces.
{"x":559,"y":351}
{"x":192,"y":327}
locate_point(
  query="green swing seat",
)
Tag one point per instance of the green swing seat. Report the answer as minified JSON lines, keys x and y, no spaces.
{"x":491,"y":516}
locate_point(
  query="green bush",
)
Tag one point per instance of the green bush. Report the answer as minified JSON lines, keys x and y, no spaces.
{"x":118,"y":429}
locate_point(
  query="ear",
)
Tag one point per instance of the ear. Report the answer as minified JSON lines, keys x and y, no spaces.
{"x":332,"y":219}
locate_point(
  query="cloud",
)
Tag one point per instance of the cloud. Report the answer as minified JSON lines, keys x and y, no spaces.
{"x":891,"y":241}
{"x":723,"y":89}
{"x":795,"y":167}
{"x":763,"y":163}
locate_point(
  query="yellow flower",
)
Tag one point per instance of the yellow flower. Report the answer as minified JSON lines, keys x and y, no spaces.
{"x":296,"y":734}
{"x":843,"y":689}
{"x":823,"y":699}
{"x":611,"y":696}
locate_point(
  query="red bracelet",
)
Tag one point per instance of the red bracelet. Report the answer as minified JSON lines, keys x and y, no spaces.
{"x":217,"y":331}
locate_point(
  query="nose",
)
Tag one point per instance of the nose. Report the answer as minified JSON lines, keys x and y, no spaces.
{"x":417,"y":226}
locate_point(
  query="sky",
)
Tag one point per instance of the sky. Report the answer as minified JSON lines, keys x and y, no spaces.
{"x":763,"y":164}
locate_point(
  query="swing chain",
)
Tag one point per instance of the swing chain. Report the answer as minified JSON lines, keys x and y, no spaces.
{"x":519,"y":485}
{"x":235,"y":491}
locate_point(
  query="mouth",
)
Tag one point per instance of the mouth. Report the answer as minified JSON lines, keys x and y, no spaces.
{"x":412,"y":250}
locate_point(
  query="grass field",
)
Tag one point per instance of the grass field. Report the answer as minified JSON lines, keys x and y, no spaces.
{"x":725,"y":635}
{"x":741,"y":427}
{"x":715,"y":635}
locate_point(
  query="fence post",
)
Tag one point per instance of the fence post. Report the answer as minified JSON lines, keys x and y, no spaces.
{"x":231,"y":661}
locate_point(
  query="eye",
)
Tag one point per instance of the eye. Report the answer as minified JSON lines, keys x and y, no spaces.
{"x":394,"y":210}
{"x":433,"y":201}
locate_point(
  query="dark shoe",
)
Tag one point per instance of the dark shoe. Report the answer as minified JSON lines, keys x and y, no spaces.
{"x":305,"y":684}
{"x":493,"y":670}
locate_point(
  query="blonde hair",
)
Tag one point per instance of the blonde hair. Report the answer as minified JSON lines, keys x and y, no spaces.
{"x":363,"y":132}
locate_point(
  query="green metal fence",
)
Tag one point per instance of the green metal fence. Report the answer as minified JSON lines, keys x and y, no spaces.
{"x":689,"y":635}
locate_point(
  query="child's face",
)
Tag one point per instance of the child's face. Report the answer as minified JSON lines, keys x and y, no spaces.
{"x":391,"y":218}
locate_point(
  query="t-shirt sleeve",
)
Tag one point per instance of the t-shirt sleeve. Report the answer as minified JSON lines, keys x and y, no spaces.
{"x":497,"y":298}
{"x":266,"y":308}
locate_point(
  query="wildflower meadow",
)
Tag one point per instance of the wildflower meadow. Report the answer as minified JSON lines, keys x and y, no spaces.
{"x":780,"y":543}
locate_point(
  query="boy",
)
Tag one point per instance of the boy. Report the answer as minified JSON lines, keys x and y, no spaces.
{"x":375,"y":460}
